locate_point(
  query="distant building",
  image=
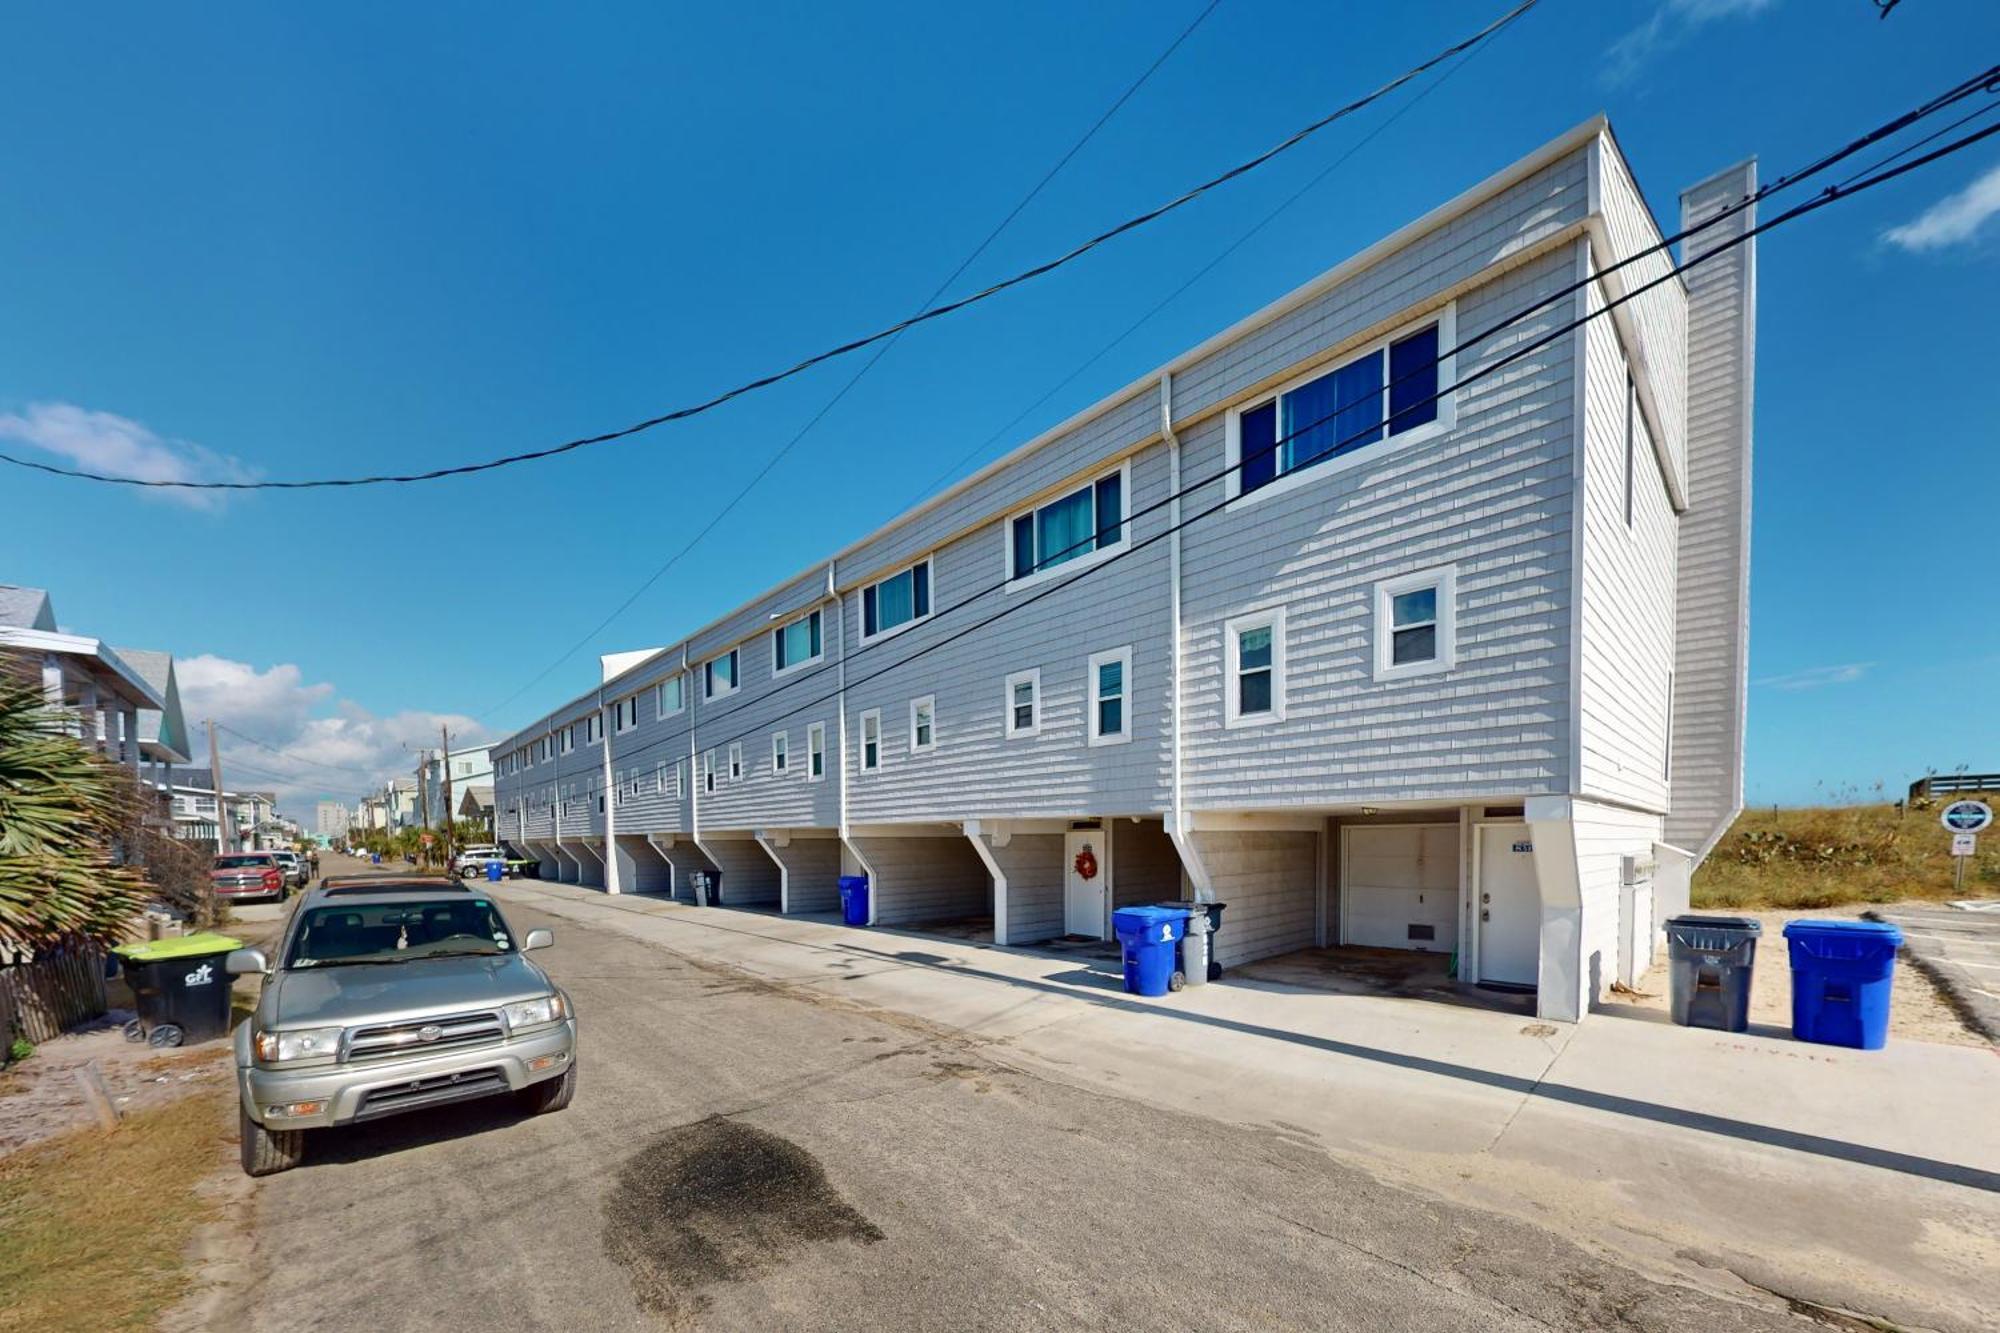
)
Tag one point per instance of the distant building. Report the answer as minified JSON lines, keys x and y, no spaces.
{"x":331,"y":818}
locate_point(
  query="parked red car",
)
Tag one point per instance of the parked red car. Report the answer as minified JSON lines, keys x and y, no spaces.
{"x":248,"y":875}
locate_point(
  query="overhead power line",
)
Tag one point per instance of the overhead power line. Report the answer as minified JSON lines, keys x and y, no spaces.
{"x":287,"y":754}
{"x":881,"y":351}
{"x":1878,"y":174}
{"x":1186,"y":197}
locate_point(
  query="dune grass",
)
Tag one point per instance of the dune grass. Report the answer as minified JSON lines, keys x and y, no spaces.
{"x":93,"y":1225}
{"x":1834,"y":855}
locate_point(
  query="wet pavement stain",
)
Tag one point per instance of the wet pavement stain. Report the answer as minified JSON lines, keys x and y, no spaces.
{"x":719,"y":1201}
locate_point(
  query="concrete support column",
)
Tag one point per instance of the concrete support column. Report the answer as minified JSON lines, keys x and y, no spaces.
{"x":1561,"y":986}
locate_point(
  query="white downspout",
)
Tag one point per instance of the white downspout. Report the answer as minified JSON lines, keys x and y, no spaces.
{"x":1177,"y":830}
{"x":610,"y":801}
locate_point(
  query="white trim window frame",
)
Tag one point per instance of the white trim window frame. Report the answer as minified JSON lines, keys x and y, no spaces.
{"x":708,"y":675}
{"x":1267,"y":660}
{"x":661,"y":710}
{"x":1013,"y":703}
{"x":781,"y":753}
{"x":1413,"y":618}
{"x":1290,"y":475}
{"x":782,"y":662}
{"x":1119,"y":696}
{"x":871,"y":741}
{"x":679,"y":790}
{"x":923,"y":724}
{"x":736,"y":761}
{"x":816,"y":752}
{"x":566,"y":739}
{"x":922,"y":598}
{"x":1024,"y":568}
{"x":624,"y":715}
{"x":708,"y":772}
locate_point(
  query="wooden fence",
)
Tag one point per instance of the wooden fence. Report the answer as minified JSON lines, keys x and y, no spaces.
{"x":43,"y":998}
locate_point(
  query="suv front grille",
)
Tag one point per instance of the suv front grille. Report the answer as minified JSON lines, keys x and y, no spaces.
{"x":421,"y":1036}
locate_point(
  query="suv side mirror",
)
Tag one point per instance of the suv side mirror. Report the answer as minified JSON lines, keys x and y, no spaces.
{"x":538,"y":938}
{"x":246,"y":963}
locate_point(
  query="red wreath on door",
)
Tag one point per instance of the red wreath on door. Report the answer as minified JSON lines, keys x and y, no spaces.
{"x":1086,"y":863}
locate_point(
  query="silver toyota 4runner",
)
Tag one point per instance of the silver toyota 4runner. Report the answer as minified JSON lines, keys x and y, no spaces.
{"x":391,"y":998}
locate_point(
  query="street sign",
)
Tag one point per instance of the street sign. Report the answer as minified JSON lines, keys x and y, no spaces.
{"x":1966,"y":816}
{"x":1965,"y":844}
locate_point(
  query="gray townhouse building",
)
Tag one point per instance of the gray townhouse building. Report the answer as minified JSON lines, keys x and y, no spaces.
{"x":1383,"y":633}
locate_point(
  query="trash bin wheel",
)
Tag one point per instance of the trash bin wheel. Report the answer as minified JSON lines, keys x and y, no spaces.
{"x":135,"y":1031}
{"x":1178,"y":981}
{"x":166,"y":1034}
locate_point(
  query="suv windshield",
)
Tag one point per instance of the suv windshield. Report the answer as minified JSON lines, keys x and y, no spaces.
{"x":398,"y":932}
{"x":257,"y":862}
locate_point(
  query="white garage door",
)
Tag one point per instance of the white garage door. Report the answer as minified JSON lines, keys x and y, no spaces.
{"x":1399,"y":887}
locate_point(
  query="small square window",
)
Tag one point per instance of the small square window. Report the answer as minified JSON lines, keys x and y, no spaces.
{"x":1255,"y":684}
{"x":719,"y":675}
{"x":816,"y":752}
{"x":669,"y":696}
{"x":871,"y":740}
{"x":1024,"y":703}
{"x":1413,"y":623}
{"x":1110,"y":689}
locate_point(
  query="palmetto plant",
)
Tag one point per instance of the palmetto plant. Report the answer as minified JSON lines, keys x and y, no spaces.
{"x":61,"y":809}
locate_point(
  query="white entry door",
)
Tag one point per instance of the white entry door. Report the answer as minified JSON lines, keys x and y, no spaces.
{"x":1399,"y":887}
{"x":1086,"y":882}
{"x":1510,"y":906}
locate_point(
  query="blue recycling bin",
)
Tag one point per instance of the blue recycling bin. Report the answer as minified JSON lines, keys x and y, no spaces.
{"x":375,"y":858}
{"x":1842,"y":975}
{"x":854,"y":900}
{"x":1150,"y":939}
{"x":494,"y":870}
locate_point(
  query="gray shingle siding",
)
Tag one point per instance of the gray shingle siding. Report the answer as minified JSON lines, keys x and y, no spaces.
{"x":916,"y":880}
{"x":1033,"y":865}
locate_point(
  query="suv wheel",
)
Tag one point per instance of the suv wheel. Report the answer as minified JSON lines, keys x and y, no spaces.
{"x":551,"y":1094}
{"x":267,"y":1152}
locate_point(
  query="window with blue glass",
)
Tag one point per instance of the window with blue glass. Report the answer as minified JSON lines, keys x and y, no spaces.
{"x":898,"y":600}
{"x":1089,"y":518}
{"x":796,"y":644}
{"x":1384,"y":392}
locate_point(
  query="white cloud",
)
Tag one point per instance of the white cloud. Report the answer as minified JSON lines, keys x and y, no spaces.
{"x":118,"y":446}
{"x":1670,"y":25}
{"x":1952,"y":220}
{"x":1812,"y":678}
{"x":339,"y":757}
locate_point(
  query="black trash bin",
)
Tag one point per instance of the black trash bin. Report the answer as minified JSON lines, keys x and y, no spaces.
{"x":1214,"y":911}
{"x":179,"y":986}
{"x":1713,"y":958}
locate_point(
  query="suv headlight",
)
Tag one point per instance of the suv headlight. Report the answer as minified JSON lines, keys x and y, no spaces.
{"x":277,"y":1048}
{"x":533,"y":1013}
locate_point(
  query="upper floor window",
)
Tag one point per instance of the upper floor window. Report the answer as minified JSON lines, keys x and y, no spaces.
{"x":781,"y":746}
{"x":871,"y":740}
{"x":1255,"y":684}
{"x":567,"y":736}
{"x":795,"y":644}
{"x":816,"y":751}
{"x":1024,"y":703}
{"x":1090,"y":518}
{"x":736,"y":761}
{"x":923,"y":724}
{"x":708,"y":770}
{"x":718,"y":676}
{"x":1390,"y":389}
{"x":670,"y":696}
{"x":1110,"y":676}
{"x":625,"y":714}
{"x":593,"y":728}
{"x":901,"y":599}
{"x":1414,"y":630}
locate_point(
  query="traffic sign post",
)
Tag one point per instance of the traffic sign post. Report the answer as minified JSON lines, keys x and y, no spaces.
{"x":1965,"y":820}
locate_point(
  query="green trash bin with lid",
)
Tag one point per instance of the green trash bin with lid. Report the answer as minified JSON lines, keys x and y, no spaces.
{"x":179,"y":987}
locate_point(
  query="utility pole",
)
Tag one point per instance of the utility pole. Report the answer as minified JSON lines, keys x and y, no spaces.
{"x":444,"y":764}
{"x":215,"y":781}
{"x":423,"y":804}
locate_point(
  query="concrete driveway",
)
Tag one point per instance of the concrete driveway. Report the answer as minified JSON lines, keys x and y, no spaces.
{"x":743,"y":1154}
{"x":1960,"y":948}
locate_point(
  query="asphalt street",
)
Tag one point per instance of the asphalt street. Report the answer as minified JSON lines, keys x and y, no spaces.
{"x":740,"y":1158}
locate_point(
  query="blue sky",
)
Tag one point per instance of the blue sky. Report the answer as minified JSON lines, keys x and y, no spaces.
{"x":257,"y":240}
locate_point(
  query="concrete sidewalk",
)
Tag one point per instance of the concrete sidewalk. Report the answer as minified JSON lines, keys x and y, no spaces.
{"x":1865,"y":1181}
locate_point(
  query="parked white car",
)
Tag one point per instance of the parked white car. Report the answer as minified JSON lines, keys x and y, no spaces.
{"x":472,"y":861}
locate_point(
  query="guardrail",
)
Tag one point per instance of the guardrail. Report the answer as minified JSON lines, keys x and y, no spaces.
{"x":1951,"y":784}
